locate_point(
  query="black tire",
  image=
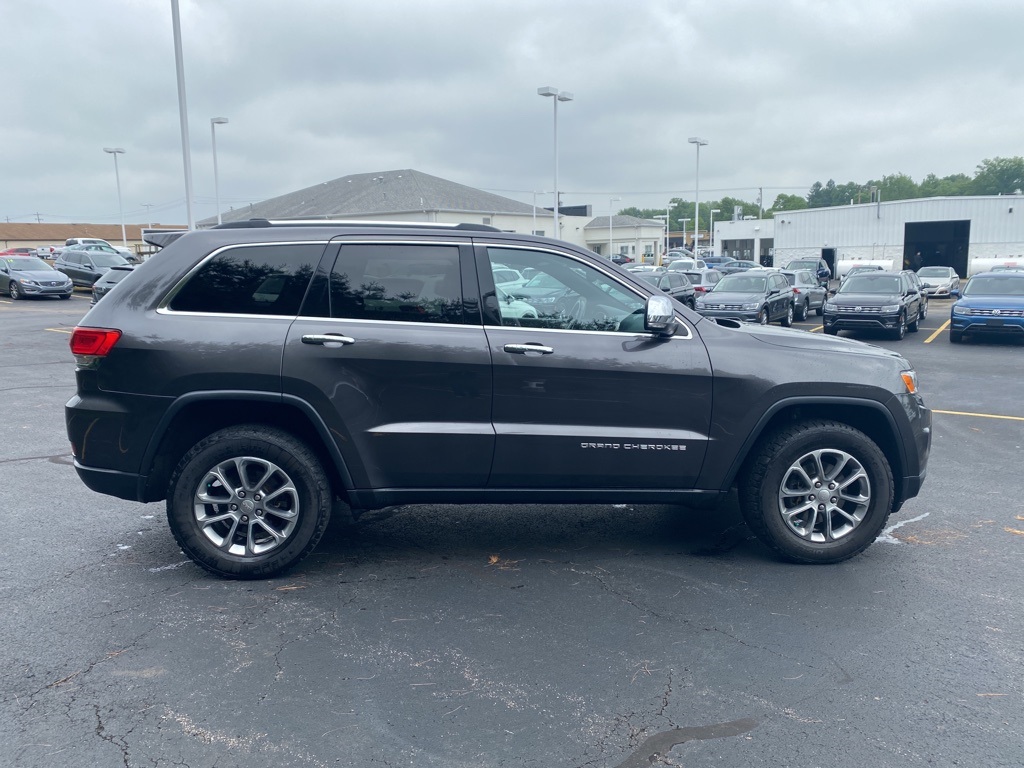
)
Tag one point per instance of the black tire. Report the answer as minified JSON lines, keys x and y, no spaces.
{"x":828,"y":529}
{"x":901,"y":328}
{"x":805,"y":310}
{"x":956,"y":337}
{"x":912,"y":327}
{"x":762,"y":316}
{"x":271,"y":459}
{"x":820,"y":310}
{"x":13,"y":291}
{"x":923,"y":312}
{"x":787,"y":319}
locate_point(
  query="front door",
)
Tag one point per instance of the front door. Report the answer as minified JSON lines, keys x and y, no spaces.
{"x":583,"y":397}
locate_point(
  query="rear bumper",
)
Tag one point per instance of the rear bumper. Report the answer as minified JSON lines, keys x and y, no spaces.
{"x":123,"y":485}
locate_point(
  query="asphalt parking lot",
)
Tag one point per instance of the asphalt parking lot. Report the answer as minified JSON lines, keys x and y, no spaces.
{"x":605,"y":636}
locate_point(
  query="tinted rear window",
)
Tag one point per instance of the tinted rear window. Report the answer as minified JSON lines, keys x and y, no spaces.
{"x":251,"y":280}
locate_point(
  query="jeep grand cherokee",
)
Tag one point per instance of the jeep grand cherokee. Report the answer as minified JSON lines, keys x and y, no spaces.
{"x":249,"y":375}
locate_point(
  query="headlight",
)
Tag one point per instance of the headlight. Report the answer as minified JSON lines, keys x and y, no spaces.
{"x":700,"y":303}
{"x":829,"y":306}
{"x":890,"y":308}
{"x":958,"y":310}
{"x":26,"y":281}
{"x":752,"y":306}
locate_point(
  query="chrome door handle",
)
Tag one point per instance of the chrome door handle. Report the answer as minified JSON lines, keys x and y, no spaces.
{"x":327,"y":339}
{"x":522,"y":349}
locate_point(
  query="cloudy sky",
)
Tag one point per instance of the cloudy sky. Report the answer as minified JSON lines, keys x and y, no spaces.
{"x":787,"y":93}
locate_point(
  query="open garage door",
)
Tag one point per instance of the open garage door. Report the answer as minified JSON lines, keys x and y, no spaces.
{"x":936,"y":244}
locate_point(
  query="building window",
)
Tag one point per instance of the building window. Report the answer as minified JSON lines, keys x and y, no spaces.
{"x":487,"y":219}
{"x":539,"y":232}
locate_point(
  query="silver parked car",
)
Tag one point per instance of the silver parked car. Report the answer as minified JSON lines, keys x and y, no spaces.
{"x":808,"y":293}
{"x":939,"y":281}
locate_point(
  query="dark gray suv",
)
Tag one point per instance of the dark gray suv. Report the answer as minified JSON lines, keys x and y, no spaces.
{"x":250,"y":375}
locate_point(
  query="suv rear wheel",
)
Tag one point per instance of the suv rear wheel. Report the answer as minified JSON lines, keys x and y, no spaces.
{"x":817,"y":492}
{"x":248,"y":502}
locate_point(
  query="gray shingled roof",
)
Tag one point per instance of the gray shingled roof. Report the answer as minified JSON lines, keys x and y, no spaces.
{"x":367,"y":194}
{"x":619,"y":220}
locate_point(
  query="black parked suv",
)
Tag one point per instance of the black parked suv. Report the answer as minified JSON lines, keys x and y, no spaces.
{"x":252,"y":374}
{"x":876,"y":301}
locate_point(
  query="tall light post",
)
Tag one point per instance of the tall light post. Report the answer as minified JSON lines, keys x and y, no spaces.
{"x":610,"y":201}
{"x":214,"y":122}
{"x":682,"y":225}
{"x":696,"y":197}
{"x":186,"y":152}
{"x":115,"y":151}
{"x":558,"y":96}
{"x":149,"y":218}
{"x":712,"y":235}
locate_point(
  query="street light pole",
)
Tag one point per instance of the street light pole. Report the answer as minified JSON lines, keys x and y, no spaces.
{"x":696,"y":201}
{"x":610,"y":201}
{"x":115,"y":151}
{"x":712,"y":234}
{"x":149,"y":218}
{"x":186,"y":152}
{"x":558,"y":96}
{"x":214,"y":122}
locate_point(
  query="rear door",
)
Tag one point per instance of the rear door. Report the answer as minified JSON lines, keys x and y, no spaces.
{"x":396,"y":362}
{"x":583,"y":397}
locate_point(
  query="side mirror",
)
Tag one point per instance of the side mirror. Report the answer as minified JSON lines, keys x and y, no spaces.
{"x":955,"y":293}
{"x":659,"y":316}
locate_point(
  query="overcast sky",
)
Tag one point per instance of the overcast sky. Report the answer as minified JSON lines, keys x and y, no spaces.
{"x":786,"y":93}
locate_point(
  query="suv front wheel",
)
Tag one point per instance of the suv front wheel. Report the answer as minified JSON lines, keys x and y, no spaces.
{"x":248,"y":502}
{"x":817,"y":492}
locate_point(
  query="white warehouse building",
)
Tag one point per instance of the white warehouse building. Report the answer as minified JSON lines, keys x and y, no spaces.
{"x":970,"y":234}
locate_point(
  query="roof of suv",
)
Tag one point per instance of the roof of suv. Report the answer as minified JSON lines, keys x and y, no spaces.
{"x":163,"y":239}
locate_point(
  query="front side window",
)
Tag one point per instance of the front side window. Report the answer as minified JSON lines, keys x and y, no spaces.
{"x":397,"y":282}
{"x":251,"y":280}
{"x":565,"y":294}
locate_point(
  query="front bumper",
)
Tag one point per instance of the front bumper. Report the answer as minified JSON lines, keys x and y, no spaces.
{"x":987,"y":324}
{"x":46,"y":290}
{"x":938,"y":291}
{"x":869,"y":321}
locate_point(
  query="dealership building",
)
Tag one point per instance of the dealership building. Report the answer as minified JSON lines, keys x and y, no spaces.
{"x":969,"y":234}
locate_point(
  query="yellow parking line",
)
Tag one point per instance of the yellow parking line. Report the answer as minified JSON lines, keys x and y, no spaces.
{"x":942,"y":327}
{"x":980,"y":415}
{"x":817,"y":329}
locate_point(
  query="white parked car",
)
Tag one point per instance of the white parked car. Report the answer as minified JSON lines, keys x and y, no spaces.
{"x":73,"y":241}
{"x":512,"y":307}
{"x":939,"y":281}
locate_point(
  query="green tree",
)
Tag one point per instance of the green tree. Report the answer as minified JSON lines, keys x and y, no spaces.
{"x":999,"y":176}
{"x":785,"y":202}
{"x":947,"y":186}
{"x":899,"y":186}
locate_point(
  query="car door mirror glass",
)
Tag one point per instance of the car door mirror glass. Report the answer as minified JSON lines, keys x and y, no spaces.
{"x":659,"y":316}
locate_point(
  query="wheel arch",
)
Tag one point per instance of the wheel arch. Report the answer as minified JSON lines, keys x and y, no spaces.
{"x":198,"y":414}
{"x":869,"y":416}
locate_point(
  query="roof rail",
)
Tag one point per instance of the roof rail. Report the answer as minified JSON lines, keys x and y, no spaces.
{"x":252,"y":223}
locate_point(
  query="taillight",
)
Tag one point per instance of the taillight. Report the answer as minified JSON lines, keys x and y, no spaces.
{"x":796,"y":290}
{"x":96,"y":342}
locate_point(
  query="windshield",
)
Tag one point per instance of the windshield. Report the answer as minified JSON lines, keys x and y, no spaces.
{"x":28,"y":264}
{"x":933,"y":272}
{"x":740,"y":284}
{"x":871,"y":284}
{"x":995,"y":285}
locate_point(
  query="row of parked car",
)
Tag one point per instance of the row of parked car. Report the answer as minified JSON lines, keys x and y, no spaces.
{"x":86,"y":262}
